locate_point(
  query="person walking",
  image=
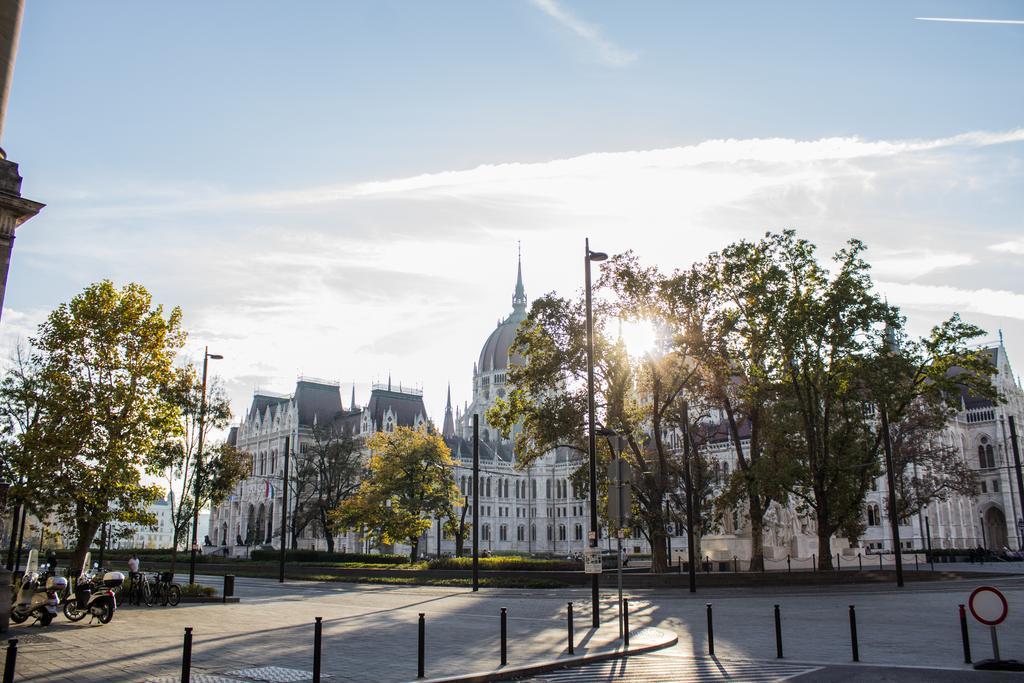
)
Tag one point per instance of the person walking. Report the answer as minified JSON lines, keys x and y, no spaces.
{"x":136,"y":579}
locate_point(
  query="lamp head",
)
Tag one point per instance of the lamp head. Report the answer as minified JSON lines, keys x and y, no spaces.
{"x":214,"y":356}
{"x":597,"y":256}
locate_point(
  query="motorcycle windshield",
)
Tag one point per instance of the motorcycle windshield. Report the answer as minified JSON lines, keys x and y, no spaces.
{"x":32,"y":564}
{"x":87,"y":562}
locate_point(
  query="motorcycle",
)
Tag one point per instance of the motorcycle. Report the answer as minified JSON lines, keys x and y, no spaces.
{"x":93,"y":595}
{"x":38,"y":595}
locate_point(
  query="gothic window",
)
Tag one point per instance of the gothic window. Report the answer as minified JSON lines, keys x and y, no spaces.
{"x":577,"y":532}
{"x":986,"y":457}
{"x":533,"y":532}
{"x":533,"y":486}
{"x":488,"y":494}
{"x":551,"y":533}
{"x":995,"y":486}
{"x":520,"y":533}
{"x":485,"y":532}
{"x":502,"y":533}
{"x":561,"y":532}
{"x":547,"y":489}
{"x":273,"y":460}
{"x":389,"y":425}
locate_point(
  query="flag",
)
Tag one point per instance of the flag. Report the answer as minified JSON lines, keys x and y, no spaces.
{"x":270,"y":490}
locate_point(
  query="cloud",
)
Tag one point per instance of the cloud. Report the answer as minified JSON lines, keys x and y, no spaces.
{"x":610,"y":53}
{"x":971,"y":21}
{"x":1010,"y":247}
{"x":985,"y":301}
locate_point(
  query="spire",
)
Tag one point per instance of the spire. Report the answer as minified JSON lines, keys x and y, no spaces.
{"x":389,"y":381}
{"x":448,"y":431}
{"x":352,"y":406}
{"x":519,"y":298}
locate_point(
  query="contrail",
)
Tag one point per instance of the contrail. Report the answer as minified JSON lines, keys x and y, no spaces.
{"x":972,"y":21}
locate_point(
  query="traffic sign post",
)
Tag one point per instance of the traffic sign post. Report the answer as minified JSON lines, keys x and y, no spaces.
{"x":620,"y":505}
{"x":988,"y":605}
{"x":591,"y":560}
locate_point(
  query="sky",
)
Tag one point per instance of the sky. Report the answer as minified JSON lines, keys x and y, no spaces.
{"x":338,"y":189}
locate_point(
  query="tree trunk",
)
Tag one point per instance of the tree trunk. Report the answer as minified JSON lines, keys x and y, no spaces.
{"x":659,"y":550}
{"x":756,"y":535}
{"x":824,"y":545}
{"x":328,"y":536}
{"x":86,"y":533}
{"x":174,"y":550}
{"x":414,"y":552}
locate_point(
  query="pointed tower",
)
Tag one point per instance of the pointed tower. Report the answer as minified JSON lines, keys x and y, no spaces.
{"x":519,"y":298}
{"x":448,"y":431}
{"x":352,"y":406}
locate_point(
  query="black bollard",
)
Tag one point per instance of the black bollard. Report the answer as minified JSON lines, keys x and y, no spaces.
{"x":963,"y":635}
{"x":421,"y":652}
{"x":186,"y":656}
{"x":839,"y":566}
{"x":778,"y":633}
{"x":853,"y":634}
{"x":318,"y":630}
{"x":229,"y":587}
{"x":789,"y":567}
{"x":625,"y":622}
{"x":879,"y":561}
{"x":569,"y":614}
{"x":504,"y":637}
{"x":916,"y":567}
{"x":860,"y":563}
{"x":12,"y":658}
{"x":814,"y":562}
{"x":735,"y":565}
{"x":711,"y":633}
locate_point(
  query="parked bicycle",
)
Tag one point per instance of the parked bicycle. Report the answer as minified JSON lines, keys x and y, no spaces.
{"x":165,"y":590}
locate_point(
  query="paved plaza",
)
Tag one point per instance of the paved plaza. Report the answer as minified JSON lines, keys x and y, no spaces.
{"x":370,"y":632}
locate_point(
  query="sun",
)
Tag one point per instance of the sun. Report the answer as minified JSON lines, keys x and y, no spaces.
{"x":639,"y":336}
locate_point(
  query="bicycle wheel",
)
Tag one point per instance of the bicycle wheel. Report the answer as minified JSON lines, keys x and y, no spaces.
{"x":149,"y":593}
{"x":173,"y":595}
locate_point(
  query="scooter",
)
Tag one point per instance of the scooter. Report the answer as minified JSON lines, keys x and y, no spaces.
{"x":93,"y":595}
{"x":37,"y":597}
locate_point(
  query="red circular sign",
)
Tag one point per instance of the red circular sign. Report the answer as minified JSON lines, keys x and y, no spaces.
{"x":988,"y":605}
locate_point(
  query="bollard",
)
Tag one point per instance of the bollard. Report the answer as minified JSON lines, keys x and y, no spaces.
{"x":12,"y":657}
{"x":853,"y":634}
{"x":778,"y":633}
{"x":879,"y":561}
{"x":569,"y":613}
{"x":860,"y":563}
{"x":707,"y":563}
{"x":711,"y":633}
{"x":814,"y":562}
{"x":789,"y":567}
{"x":625,"y":622}
{"x":421,"y":652}
{"x":318,"y":631}
{"x":186,"y":656}
{"x":916,"y":567}
{"x":504,"y":637}
{"x":735,"y":565}
{"x":963,"y":635}
{"x":839,"y":567}
{"x":229,"y":587}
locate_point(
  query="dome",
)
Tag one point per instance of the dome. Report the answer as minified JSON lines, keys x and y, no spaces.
{"x":494,"y":354}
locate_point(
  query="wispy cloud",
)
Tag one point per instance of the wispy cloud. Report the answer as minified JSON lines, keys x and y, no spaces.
{"x":1010,"y":247}
{"x":610,"y":53}
{"x":956,"y":20}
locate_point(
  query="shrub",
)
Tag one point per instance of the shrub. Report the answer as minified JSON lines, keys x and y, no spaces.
{"x":197,"y":590}
{"x":509,"y":563}
{"x":324,"y":556}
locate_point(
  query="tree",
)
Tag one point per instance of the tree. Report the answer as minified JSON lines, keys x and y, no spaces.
{"x":326,"y":473}
{"x":106,"y":361}
{"x":221,"y":467}
{"x":408,"y":479}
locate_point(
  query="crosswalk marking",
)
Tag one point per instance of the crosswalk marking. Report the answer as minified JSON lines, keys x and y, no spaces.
{"x":676,"y":670}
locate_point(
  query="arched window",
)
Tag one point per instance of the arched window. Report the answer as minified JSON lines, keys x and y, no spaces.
{"x":561,"y":532}
{"x":551,"y":533}
{"x":502,"y":533}
{"x":488,"y":494}
{"x":462,"y":485}
{"x":986,"y":456}
{"x":533,"y":532}
{"x":547,"y":489}
{"x":577,"y":533}
{"x":533,"y":488}
{"x":518,"y":488}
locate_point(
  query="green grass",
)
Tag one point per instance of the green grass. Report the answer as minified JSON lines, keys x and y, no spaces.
{"x":508,"y":563}
{"x":517,"y":582}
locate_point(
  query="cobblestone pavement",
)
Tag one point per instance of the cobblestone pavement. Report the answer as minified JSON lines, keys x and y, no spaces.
{"x":370,"y":631}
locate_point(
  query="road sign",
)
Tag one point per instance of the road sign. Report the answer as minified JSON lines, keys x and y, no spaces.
{"x":620,"y":494}
{"x":988,"y":605}
{"x":591,"y":560}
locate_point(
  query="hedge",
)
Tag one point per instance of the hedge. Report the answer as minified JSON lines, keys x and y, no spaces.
{"x":324,"y":556}
{"x":510,"y":563}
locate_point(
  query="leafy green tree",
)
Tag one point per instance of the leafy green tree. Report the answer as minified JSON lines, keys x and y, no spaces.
{"x":326,"y":473}
{"x":409,"y":478}
{"x":106,"y":361}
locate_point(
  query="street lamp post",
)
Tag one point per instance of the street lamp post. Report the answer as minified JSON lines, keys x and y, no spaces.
{"x":207,"y":356}
{"x":591,"y":436}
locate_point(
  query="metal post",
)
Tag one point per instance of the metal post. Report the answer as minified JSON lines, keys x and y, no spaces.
{"x":839,"y":566}
{"x":569,"y":621}
{"x":995,"y":643}
{"x":197,"y":473}
{"x":917,"y":566}
{"x":284,"y":509}
{"x":879,"y":560}
{"x":894,"y":520}
{"x":591,"y":433}
{"x":735,"y":565}
{"x":853,"y":634}
{"x":103,"y":540}
{"x":21,"y":539}
{"x":778,"y":633}
{"x":625,"y":619}
{"x":814,"y":562}
{"x":15,"y":516}
{"x":711,"y":632}
{"x":504,"y":637}
{"x":421,"y":651}
{"x":186,"y":656}
{"x":618,"y":543}
{"x":789,"y":564}
{"x":317,"y":637}
{"x":860,"y":563}
{"x":928,"y":536}
{"x":12,"y":658}
{"x":1020,"y":477}
{"x":476,"y":502}
{"x":964,"y":636}
{"x":688,"y":482}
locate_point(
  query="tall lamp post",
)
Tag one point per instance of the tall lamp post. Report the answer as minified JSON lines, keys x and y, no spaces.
{"x":892,"y":347}
{"x":591,"y":434}
{"x":207,"y":356}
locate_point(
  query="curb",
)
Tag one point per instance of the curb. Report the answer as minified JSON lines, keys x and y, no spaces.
{"x":665,"y":639}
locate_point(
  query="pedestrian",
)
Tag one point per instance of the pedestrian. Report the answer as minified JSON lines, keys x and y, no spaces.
{"x":136,"y":579}
{"x":625,"y":557}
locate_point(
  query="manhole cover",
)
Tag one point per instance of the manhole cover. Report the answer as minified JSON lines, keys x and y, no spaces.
{"x":29,"y":638}
{"x":194,"y":678}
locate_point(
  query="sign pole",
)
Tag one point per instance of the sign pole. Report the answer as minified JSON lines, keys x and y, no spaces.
{"x":995,"y":643}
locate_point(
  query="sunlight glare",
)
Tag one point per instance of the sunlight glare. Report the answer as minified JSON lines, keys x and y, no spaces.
{"x":639,"y":336}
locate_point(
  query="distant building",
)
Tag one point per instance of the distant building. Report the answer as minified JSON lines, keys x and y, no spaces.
{"x":161,"y":535}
